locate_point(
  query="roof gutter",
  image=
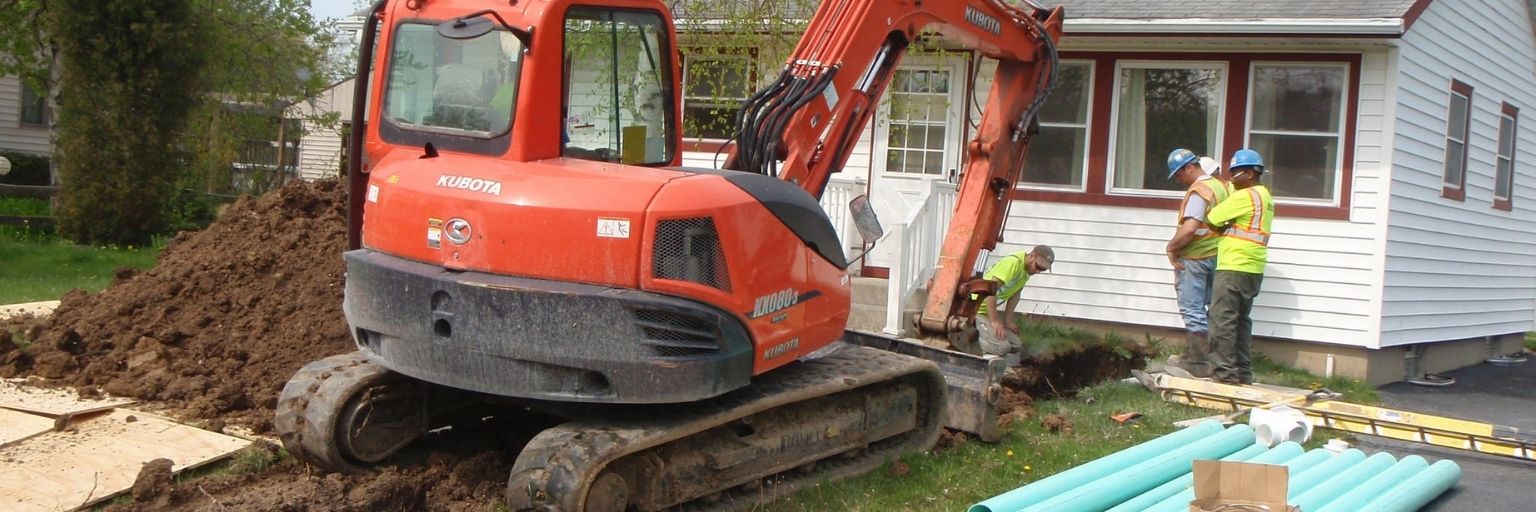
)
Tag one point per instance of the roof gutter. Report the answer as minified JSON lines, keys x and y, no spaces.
{"x":1368,"y":27}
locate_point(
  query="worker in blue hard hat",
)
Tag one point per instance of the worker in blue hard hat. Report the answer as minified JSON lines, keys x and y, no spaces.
{"x":1192,"y":252}
{"x":1244,"y":220}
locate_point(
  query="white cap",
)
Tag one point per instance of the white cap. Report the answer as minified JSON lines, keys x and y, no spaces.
{"x":1209,"y":165}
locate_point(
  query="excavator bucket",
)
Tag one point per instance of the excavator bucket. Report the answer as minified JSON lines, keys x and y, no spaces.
{"x":974,"y":383}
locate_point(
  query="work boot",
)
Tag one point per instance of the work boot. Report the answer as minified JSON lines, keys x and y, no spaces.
{"x":1196,"y":358}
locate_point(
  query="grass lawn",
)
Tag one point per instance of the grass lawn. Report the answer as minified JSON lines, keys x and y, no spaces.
{"x":1530,"y":341}
{"x":959,"y":477}
{"x":38,"y":266}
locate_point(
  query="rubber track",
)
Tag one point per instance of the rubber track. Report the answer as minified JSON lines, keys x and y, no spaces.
{"x":311,"y":402}
{"x":557,"y":466}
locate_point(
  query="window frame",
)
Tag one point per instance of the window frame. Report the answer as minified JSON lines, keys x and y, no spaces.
{"x":1459,"y":191}
{"x":952,"y":150}
{"x":43,"y":111}
{"x":750,"y":55}
{"x":1345,"y":101}
{"x":1087,"y":128}
{"x":1237,"y":85}
{"x":1114,"y":119}
{"x":1512,"y":113}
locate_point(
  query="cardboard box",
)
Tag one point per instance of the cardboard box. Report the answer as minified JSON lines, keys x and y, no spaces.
{"x":1240,"y":487}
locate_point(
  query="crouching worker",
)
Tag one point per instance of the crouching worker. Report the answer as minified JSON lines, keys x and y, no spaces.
{"x":997,"y":331}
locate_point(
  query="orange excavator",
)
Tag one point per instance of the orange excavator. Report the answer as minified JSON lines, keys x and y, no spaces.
{"x":522,"y":233}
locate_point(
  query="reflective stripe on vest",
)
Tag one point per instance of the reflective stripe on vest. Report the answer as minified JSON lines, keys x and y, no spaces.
{"x":1203,"y":188}
{"x":1254,"y":232}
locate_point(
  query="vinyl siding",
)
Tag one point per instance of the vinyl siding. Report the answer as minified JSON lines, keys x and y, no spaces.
{"x":320,"y":149}
{"x":1461,"y":269}
{"x":13,"y":135}
{"x":1323,"y":278}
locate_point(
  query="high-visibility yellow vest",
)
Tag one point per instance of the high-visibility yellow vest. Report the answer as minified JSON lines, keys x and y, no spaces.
{"x":1245,"y":219}
{"x":1213,"y":191}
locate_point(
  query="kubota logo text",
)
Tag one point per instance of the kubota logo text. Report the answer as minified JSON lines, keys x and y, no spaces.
{"x":471,"y":184}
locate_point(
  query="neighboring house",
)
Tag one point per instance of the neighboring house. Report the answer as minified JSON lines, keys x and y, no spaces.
{"x":1405,"y":238}
{"x":1391,"y":127}
{"x":23,"y":118}
{"x":321,"y":150}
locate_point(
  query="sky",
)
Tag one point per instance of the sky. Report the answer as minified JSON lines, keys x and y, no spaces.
{"x":322,"y":9}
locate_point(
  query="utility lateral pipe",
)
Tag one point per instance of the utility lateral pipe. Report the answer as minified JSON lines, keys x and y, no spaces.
{"x":1353,"y":500}
{"x":1125,"y":484}
{"x":1037,"y":492}
{"x":1325,"y":492}
{"x":1160,"y":492}
{"x":1180,"y":502}
{"x":1418,"y":490}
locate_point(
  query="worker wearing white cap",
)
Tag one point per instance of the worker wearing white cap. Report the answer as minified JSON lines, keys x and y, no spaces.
{"x":998,"y":333}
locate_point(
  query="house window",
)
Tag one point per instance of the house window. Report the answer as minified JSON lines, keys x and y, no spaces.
{"x":1504,"y":171}
{"x":1458,"y":121}
{"x":1295,"y":120}
{"x":1058,"y":155}
{"x":716,"y":86}
{"x":34,"y":107}
{"x":919,"y":122}
{"x":1162,"y":106}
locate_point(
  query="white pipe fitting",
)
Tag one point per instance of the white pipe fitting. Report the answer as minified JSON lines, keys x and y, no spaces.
{"x":1278,"y":425}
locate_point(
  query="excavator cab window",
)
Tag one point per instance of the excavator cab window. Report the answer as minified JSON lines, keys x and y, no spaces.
{"x":461,"y":88}
{"x":618,"y":87}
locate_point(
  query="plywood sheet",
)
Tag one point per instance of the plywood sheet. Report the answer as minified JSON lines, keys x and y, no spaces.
{"x":53,"y":402}
{"x":98,"y":458}
{"x":17,"y":425}
{"x":35,"y":308}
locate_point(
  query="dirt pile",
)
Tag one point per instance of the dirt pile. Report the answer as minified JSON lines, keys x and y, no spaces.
{"x":219,"y":324}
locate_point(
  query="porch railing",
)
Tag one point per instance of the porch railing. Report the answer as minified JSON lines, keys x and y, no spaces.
{"x":917,"y":240}
{"x":840,"y":190}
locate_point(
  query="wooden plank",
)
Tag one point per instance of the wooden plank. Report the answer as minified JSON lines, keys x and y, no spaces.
{"x":16,"y":426}
{"x":54,"y":403}
{"x":100,"y":458}
{"x":35,"y":308}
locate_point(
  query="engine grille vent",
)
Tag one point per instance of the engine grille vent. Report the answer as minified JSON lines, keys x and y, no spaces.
{"x":675,"y":334}
{"x":689,"y":250}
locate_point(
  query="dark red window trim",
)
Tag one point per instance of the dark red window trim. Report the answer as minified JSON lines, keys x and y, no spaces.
{"x":1513,"y":112}
{"x":1238,"y":68}
{"x":1460,"y":192}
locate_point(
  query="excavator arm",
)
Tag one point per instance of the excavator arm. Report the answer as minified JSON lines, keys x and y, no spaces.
{"x":802,"y":127}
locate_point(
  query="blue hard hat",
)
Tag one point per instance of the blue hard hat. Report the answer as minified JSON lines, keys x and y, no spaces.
{"x":1246,"y":158}
{"x":1178,"y":159}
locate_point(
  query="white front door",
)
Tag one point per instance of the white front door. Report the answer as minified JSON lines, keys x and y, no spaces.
{"x":917,"y":138}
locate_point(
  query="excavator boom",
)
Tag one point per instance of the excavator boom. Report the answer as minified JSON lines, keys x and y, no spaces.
{"x":803,"y":126}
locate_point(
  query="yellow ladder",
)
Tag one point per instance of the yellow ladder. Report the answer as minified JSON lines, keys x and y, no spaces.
{"x":1361,"y":419}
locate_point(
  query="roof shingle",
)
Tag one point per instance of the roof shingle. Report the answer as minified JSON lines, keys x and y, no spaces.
{"x":1233,"y":9}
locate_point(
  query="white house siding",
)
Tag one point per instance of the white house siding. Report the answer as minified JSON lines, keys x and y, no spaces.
{"x":1322,"y":280}
{"x":1461,"y":269}
{"x":13,"y":135}
{"x":320,"y":148}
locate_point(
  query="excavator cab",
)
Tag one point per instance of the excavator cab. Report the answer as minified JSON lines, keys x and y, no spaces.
{"x":618,"y":101}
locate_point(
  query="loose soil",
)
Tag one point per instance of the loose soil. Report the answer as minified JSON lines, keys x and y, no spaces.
{"x":214,"y":330}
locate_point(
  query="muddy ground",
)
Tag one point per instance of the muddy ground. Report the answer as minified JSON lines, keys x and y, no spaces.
{"x":214,"y":330}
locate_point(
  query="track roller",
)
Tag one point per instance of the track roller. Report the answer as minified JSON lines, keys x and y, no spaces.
{"x":345,"y":413}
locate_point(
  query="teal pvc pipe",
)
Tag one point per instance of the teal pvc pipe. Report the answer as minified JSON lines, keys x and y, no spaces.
{"x":1368,"y":490}
{"x":1126,"y":484}
{"x":1331,"y":489}
{"x":1157,"y":494}
{"x":1180,"y":502}
{"x":1418,"y":490}
{"x":1330,"y":468}
{"x":1042,"y":490}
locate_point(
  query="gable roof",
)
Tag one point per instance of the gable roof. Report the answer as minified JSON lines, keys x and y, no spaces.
{"x":1388,"y":18}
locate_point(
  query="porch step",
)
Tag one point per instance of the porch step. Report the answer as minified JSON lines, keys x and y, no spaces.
{"x":867,"y":317}
{"x":869,"y":290}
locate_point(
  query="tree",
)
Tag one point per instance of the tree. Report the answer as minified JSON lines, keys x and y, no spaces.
{"x":129,"y":77}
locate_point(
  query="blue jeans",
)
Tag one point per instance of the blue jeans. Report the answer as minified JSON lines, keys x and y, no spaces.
{"x":1194,"y":289}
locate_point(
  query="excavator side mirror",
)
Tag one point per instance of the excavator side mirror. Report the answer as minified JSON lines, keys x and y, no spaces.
{"x":864,"y":218}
